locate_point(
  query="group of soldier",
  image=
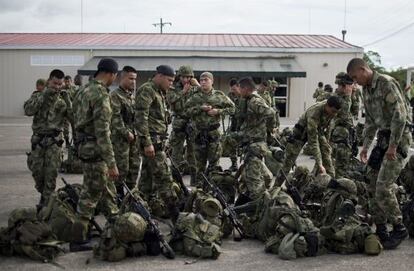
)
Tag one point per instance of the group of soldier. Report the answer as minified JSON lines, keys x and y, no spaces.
{"x":121,"y":136}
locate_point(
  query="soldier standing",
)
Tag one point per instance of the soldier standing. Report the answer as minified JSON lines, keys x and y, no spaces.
{"x":92,"y":110}
{"x":343,"y":132}
{"x":234,"y":95}
{"x":151,"y":125}
{"x":254,"y":130}
{"x":318,"y":91}
{"x":312,"y":128}
{"x":206,"y":107}
{"x":50,"y":110}
{"x":123,"y":135}
{"x":181,"y":125}
{"x":387,"y":112}
{"x":68,"y":89}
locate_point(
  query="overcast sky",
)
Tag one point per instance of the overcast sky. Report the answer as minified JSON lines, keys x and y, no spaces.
{"x":367,"y":21}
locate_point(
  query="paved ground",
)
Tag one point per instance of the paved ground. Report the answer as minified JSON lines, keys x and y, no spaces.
{"x":16,"y":190}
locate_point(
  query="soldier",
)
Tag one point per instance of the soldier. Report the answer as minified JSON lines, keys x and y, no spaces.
{"x":123,"y":135}
{"x":254,"y":131}
{"x":151,"y":125}
{"x":356,"y":101}
{"x":70,"y":89}
{"x":50,"y":110}
{"x":234,"y":95}
{"x":92,"y":110}
{"x":387,"y":112}
{"x":206,"y":107}
{"x":181,"y":125}
{"x":78,"y":81}
{"x":343,"y":132}
{"x":263,"y":92}
{"x":319,"y":91}
{"x":312,"y":128}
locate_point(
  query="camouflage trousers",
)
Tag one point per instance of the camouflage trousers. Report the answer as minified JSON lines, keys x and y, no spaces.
{"x":383,"y":203}
{"x":342,"y":155}
{"x":210,"y":154}
{"x":177,"y":139}
{"x":294,"y":147}
{"x":96,"y":188}
{"x":128,"y":161}
{"x":156,"y":179}
{"x":44,"y":163}
{"x":257,"y":177}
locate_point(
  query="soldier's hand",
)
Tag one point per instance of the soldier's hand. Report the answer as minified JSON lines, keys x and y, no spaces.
{"x":363,"y":155}
{"x":213,"y":112}
{"x":391,"y":153}
{"x":149,"y":151}
{"x":130,"y":137}
{"x":194,"y":82}
{"x":186,"y":88}
{"x":322,"y":170}
{"x":113,"y":173}
{"x":206,"y":108}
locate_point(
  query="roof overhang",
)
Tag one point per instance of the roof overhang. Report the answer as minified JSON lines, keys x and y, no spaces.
{"x":252,"y":66}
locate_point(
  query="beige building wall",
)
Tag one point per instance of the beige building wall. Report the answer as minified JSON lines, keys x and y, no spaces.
{"x":18,"y":76}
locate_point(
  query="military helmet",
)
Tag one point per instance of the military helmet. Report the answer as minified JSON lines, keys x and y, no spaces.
{"x":346,"y":185}
{"x":211,"y":207}
{"x":328,"y":88}
{"x":273,"y":83}
{"x":323,"y":180}
{"x":130,"y":227}
{"x":343,"y":78}
{"x":185,"y":71}
{"x":22,"y":214}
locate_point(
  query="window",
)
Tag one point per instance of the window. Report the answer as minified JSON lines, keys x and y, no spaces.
{"x":52,"y":60}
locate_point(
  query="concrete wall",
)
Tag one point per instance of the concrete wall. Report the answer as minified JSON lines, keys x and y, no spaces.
{"x":18,"y":76}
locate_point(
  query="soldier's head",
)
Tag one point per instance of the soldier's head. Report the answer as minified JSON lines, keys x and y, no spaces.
{"x":55,"y":80}
{"x":128,"y":78}
{"x":40,"y":84}
{"x":359,"y":71}
{"x":234,"y":86}
{"x":206,"y":81}
{"x":264,"y":85}
{"x":333,"y":105}
{"x":185,"y":73}
{"x":67,"y":81}
{"x":78,"y":80}
{"x":247,"y":86}
{"x":164,"y":78}
{"x":107,"y":71}
{"x":328,"y":88}
{"x":344,"y":82}
{"x":320,"y":85}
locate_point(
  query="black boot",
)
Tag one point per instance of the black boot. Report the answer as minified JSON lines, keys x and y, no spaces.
{"x":386,"y":240}
{"x":399,"y":232}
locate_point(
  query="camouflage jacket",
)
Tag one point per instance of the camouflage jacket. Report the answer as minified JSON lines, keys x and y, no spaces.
{"x":150,"y":113}
{"x":315,"y":123}
{"x":386,"y":108}
{"x":267,"y":97}
{"x":92,"y":110}
{"x":71,"y":91}
{"x":344,"y":116}
{"x":122,"y":104}
{"x":258,"y":115}
{"x":235,"y":119}
{"x":214,"y":98}
{"x":177,"y":99}
{"x":49,"y":110}
{"x":356,"y":102}
{"x":318,"y":92}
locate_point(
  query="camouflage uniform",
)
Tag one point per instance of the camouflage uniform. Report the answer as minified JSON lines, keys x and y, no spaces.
{"x":127,"y":157}
{"x":267,"y":97}
{"x":312,"y":128}
{"x":207,"y":132}
{"x":341,"y":136}
{"x":151,"y":126}
{"x":386,"y":111}
{"x":319,"y":92}
{"x":71,"y":91}
{"x":92,"y":112}
{"x":49,"y":111}
{"x":180,"y":129}
{"x":234,"y":126}
{"x":254,"y":133}
{"x":356,"y":102}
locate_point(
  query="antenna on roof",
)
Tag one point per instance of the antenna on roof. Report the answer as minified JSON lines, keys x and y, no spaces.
{"x":161,"y":24}
{"x":344,"y":29}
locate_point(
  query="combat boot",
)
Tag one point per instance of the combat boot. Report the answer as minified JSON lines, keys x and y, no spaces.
{"x":399,"y":232}
{"x":386,"y":240}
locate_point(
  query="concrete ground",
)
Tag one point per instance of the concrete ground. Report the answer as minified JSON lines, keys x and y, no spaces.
{"x":16,"y":190}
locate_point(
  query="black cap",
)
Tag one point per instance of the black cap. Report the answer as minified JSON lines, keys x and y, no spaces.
{"x":107,"y":65}
{"x":166,"y":70}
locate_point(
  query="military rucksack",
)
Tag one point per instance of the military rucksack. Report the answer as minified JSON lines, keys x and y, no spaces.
{"x":26,"y":235}
{"x":195,"y":236}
